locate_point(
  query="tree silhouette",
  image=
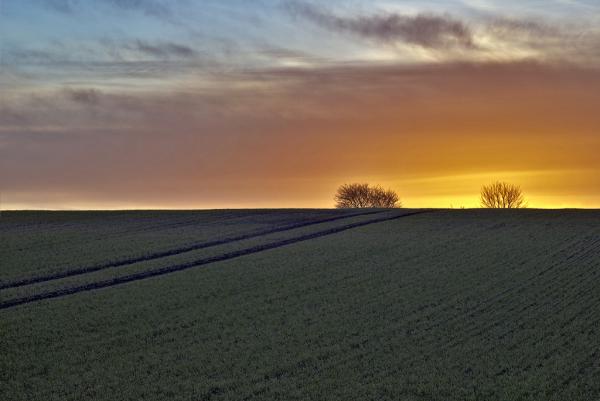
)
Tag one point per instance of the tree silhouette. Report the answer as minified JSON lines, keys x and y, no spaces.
{"x":360,"y":195}
{"x":383,"y":198}
{"x":501,"y":195}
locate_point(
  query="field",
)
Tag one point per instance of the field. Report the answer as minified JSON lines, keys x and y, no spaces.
{"x":300,"y":305}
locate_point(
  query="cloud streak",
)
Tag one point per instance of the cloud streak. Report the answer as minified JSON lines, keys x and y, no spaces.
{"x":89,"y":97}
{"x":164,"y":49}
{"x":153,"y":8}
{"x":425,"y":30}
{"x":479,"y":37}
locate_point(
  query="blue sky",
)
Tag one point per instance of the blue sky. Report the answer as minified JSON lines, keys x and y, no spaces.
{"x":229,"y":34}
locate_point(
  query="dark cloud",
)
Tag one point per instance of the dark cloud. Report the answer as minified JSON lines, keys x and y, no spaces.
{"x":164,"y":49}
{"x":426,"y":30}
{"x":524,"y":26}
{"x":84,"y":96}
{"x":284,"y":55}
{"x":102,"y":60}
{"x":281,"y":53}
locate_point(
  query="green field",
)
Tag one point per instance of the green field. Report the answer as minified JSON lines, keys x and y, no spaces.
{"x":300,"y":305}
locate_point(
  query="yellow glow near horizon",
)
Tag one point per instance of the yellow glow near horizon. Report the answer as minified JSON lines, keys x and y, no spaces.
{"x":451,"y":191}
{"x":542,"y":189}
{"x":289,"y":138}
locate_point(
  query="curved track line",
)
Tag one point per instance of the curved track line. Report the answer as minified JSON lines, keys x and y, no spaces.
{"x":184,"y":266}
{"x":175,"y":251}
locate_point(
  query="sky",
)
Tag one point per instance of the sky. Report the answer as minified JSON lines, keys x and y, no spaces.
{"x":133,"y":104}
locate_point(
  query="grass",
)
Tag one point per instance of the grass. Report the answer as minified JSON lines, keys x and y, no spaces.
{"x":448,"y":305}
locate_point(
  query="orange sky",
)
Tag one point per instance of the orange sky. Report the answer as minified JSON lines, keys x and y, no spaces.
{"x":286,"y":135}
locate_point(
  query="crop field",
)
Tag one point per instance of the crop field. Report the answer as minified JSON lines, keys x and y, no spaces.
{"x":300,"y":305}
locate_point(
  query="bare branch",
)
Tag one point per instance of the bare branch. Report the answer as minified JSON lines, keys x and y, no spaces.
{"x":501,"y":195}
{"x":362,"y":196}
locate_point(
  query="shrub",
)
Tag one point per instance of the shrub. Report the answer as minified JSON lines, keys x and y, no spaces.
{"x":363,"y":196}
{"x":501,"y":195}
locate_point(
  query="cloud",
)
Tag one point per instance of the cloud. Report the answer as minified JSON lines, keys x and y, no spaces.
{"x":550,"y":41}
{"x":84,"y":96}
{"x":164,"y":49}
{"x":102,"y":62}
{"x":149,"y":7}
{"x":16,"y":56}
{"x":478,"y":37}
{"x":309,"y":124}
{"x":154,"y":8}
{"x":425,"y":30}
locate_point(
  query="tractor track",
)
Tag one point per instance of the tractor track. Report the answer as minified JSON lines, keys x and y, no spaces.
{"x":204,"y":261}
{"x":171,"y":252}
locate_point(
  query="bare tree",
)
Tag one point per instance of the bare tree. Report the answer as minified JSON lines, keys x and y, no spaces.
{"x":352,"y":196}
{"x":362,"y":196}
{"x":383,"y":198}
{"x":501,"y":195}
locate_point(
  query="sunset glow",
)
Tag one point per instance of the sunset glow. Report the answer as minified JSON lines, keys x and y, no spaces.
{"x":148,"y":104}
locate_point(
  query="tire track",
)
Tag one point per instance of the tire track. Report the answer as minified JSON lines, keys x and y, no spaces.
{"x":199,"y":262}
{"x":159,"y":224}
{"x":171,"y":252}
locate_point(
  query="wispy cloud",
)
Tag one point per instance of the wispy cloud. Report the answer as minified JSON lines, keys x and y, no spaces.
{"x":442,"y":37}
{"x":426,"y":30}
{"x":102,"y":50}
{"x":164,"y":49}
{"x":543,"y":40}
{"x":84,"y":96}
{"x":154,"y":8}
